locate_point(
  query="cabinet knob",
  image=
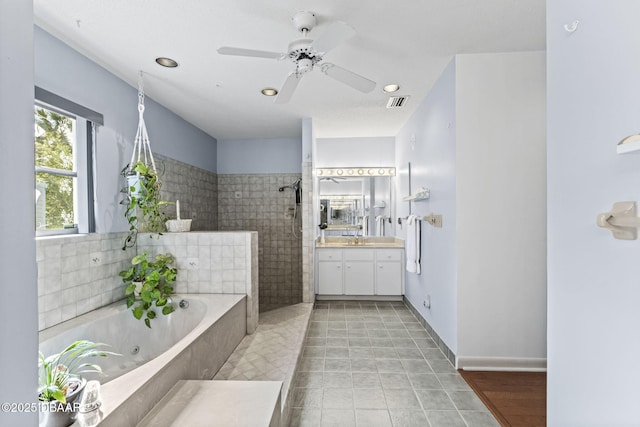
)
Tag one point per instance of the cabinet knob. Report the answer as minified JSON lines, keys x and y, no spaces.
{"x":380,"y":266}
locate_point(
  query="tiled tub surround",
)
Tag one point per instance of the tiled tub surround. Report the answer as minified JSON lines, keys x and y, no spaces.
{"x":213,"y":262}
{"x":196,"y":356}
{"x":253,"y":202}
{"x":197,"y":190}
{"x":77,"y":274}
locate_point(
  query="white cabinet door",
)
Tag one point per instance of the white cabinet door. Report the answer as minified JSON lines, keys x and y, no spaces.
{"x":330,"y":278}
{"x":358,"y":278}
{"x":389,"y":278}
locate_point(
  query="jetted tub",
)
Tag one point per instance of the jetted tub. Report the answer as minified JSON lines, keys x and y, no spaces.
{"x":190,"y":344}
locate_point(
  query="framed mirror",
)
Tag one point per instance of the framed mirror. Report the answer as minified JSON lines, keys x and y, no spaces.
{"x":356,"y":205}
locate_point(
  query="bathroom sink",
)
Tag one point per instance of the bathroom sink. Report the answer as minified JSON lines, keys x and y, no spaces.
{"x":367,"y":242}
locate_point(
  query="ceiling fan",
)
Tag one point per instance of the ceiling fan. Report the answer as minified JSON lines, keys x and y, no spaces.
{"x":307,"y":53}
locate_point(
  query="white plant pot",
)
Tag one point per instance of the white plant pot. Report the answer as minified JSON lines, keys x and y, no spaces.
{"x":133,"y":184}
{"x":178,"y":225}
{"x":138,"y":289}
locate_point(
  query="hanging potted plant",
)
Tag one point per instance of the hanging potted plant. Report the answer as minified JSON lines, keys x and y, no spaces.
{"x":61,"y":382}
{"x":144,"y":206}
{"x":150,"y":285}
{"x":144,"y":211}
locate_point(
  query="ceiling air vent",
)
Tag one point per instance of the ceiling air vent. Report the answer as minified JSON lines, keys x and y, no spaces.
{"x":397,"y":101}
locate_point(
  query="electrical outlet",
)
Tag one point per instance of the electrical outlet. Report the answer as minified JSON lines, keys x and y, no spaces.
{"x":427,"y":302}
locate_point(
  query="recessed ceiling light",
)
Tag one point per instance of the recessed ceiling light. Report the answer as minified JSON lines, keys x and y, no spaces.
{"x":166,"y":62}
{"x":269,"y":91}
{"x":391,"y":88}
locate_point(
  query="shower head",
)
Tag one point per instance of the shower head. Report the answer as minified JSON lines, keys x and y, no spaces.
{"x":295,"y":186}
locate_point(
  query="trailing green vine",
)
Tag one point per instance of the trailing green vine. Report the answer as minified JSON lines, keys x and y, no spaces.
{"x":144,"y":206}
{"x":153,"y":279}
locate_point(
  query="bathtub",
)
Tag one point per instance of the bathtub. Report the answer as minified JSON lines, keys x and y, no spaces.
{"x":190,"y":344}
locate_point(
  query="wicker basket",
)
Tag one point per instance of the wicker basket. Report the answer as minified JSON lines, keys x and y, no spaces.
{"x":178,"y":225}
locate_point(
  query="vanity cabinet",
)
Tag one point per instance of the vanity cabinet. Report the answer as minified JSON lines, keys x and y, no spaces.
{"x":388,"y":270}
{"x":360,"y":271}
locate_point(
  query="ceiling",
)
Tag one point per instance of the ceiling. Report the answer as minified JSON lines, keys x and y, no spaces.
{"x":408,"y":42}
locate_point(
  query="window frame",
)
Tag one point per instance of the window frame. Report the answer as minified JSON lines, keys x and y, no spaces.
{"x":85,"y":129}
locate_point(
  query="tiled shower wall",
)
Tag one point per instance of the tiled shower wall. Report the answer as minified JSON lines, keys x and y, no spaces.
{"x":252,"y":202}
{"x":197,"y":190}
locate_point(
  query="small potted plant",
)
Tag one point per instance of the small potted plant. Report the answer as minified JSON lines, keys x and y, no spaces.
{"x":144,"y":211}
{"x":61,"y":382}
{"x":150,"y":285}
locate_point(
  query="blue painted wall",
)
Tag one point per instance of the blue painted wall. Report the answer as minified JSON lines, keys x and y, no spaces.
{"x":260,"y":156}
{"x":67,"y":73}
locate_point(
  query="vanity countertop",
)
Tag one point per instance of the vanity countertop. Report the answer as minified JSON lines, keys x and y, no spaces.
{"x":362,"y":242}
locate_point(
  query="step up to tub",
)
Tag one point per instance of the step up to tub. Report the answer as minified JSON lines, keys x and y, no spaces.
{"x":218,"y":403}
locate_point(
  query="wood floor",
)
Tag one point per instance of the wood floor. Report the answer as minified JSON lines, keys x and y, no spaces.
{"x":515,"y":398}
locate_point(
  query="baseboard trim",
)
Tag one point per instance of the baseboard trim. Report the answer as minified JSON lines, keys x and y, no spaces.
{"x":506,"y":364}
{"x":358,"y":298}
{"x":448,"y":353}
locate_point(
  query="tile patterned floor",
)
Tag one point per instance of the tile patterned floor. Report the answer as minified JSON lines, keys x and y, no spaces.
{"x":373,"y":364}
{"x":270,"y":352}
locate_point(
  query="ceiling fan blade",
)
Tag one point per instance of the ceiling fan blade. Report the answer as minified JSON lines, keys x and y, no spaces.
{"x":237,"y":51}
{"x":288,"y":88}
{"x":337,"y":33}
{"x":347,"y":77}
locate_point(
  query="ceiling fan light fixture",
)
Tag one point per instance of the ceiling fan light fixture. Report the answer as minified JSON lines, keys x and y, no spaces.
{"x":390,"y":88}
{"x":269,"y":91}
{"x":166,"y":62}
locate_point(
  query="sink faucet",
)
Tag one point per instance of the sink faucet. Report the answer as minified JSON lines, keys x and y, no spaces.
{"x":355,"y":237}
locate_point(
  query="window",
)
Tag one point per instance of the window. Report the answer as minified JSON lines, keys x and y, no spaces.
{"x":56,"y":173}
{"x":63,"y":167}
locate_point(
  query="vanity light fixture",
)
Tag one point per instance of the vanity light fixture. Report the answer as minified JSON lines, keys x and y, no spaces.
{"x":373,"y":171}
{"x":269,"y":91}
{"x":391,"y":88}
{"x":166,"y":62}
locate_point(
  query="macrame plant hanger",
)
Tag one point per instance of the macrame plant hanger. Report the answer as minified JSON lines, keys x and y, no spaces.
{"x":141,"y":147}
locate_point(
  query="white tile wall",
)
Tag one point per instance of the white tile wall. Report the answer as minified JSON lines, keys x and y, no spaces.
{"x":308,"y":234}
{"x":213,"y":262}
{"x":77,"y":274}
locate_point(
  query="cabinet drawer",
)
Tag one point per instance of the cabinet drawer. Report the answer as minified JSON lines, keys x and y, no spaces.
{"x":393,"y":255}
{"x":329,"y":255}
{"x":358,"y":255}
